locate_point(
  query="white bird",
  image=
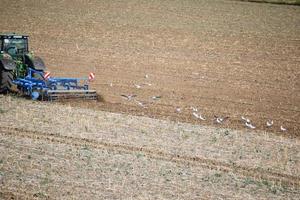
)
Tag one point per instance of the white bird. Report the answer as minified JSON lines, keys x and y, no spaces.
{"x":220,"y":120}
{"x":270,"y":123}
{"x":111,"y":84}
{"x":202,"y":118}
{"x":282,"y":128}
{"x":178,"y":110}
{"x":140,"y":104}
{"x":198,"y":116}
{"x":194,"y":109}
{"x":156,"y":97}
{"x":128,"y":97}
{"x":137,"y":86}
{"x":146,"y":76}
{"x":246,"y":119}
{"x":249,"y":125}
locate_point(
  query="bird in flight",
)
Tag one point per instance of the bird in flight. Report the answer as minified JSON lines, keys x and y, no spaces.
{"x":220,"y":120}
{"x":270,"y":123}
{"x":245,"y":119}
{"x":137,"y":86}
{"x":128,"y":97}
{"x":156,"y":97}
{"x":199,"y":116}
{"x":249,"y":125}
{"x":140,"y":103}
{"x":194,"y":109}
{"x":282,"y":128}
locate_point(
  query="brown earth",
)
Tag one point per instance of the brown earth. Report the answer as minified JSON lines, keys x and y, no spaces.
{"x":226,"y":58}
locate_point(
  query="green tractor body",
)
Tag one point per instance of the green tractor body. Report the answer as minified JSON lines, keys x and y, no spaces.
{"x":15,"y":59}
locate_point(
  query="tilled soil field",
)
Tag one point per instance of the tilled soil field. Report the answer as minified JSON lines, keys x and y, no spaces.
{"x":52,"y":151}
{"x":227,"y":58}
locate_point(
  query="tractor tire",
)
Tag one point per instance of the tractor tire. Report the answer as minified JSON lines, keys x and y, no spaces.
{"x":6,"y":80}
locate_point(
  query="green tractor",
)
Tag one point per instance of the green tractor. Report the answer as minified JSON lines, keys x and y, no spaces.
{"x":25,"y":71}
{"x":15,"y":59}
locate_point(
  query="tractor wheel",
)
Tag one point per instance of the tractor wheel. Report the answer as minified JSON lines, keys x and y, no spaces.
{"x":6,"y":80}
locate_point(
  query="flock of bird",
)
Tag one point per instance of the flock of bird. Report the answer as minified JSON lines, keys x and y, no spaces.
{"x":220,"y":120}
{"x":217,"y":119}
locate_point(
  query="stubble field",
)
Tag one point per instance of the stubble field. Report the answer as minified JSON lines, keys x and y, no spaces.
{"x":58,"y":152}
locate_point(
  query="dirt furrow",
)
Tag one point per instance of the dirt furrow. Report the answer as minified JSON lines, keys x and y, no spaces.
{"x":277,"y":178}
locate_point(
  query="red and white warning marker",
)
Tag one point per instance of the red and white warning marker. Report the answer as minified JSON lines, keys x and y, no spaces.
{"x":91,"y":76}
{"x":46,"y":75}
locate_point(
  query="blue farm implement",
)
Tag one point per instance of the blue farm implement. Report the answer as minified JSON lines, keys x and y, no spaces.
{"x":37,"y":86}
{"x":20,"y":67}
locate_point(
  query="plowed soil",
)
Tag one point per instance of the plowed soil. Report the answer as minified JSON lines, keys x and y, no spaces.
{"x":226,"y":58}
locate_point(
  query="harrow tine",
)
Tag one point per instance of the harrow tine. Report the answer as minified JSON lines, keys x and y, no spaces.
{"x":54,"y":95}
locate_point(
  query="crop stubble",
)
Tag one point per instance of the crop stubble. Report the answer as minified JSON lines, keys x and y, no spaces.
{"x":256,"y":164}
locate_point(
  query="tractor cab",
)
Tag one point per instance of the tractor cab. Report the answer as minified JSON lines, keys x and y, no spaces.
{"x":14,"y":45}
